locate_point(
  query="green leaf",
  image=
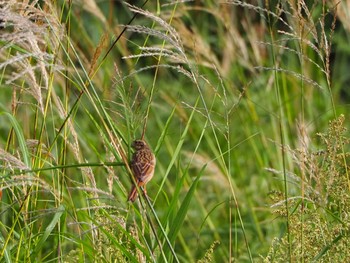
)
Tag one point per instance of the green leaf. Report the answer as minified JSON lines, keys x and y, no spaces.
{"x":48,"y":230}
{"x":21,"y":141}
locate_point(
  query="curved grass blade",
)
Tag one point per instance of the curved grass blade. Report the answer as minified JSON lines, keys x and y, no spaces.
{"x":21,"y":141}
{"x":180,"y":217}
{"x":48,"y":230}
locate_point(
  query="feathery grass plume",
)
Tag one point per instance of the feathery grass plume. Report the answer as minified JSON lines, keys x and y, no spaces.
{"x":319,"y":202}
{"x":343,"y":8}
{"x":11,"y":161}
{"x":297,"y":33}
{"x":99,"y":49}
{"x":92,"y":7}
{"x":27,"y":56}
{"x":170,"y":48}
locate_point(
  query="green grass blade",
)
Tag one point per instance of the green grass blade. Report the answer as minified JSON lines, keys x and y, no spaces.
{"x":20,"y":137}
{"x":180,"y":217}
{"x":48,"y":230}
{"x":178,"y":148}
{"x":326,"y":248}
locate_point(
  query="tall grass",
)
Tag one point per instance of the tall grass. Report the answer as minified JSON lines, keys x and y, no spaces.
{"x":230,"y":96}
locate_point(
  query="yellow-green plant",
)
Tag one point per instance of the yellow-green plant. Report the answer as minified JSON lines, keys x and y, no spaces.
{"x":318,"y":202}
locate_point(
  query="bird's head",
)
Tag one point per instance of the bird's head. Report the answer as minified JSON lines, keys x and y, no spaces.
{"x":138,"y":144}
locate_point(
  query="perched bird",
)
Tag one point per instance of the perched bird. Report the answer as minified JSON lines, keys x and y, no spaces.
{"x":142,"y":166}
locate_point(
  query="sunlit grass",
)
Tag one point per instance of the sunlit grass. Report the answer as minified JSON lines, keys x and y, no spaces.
{"x":230,"y":97}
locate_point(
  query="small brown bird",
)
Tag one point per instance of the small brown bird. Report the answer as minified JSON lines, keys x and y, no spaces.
{"x":142,"y":166}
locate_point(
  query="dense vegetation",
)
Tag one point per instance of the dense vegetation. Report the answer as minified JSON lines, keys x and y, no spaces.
{"x":244,"y":104}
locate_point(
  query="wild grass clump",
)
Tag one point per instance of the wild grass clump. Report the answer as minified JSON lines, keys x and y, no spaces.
{"x":29,"y":38}
{"x":220,"y":91}
{"x":318,"y":202}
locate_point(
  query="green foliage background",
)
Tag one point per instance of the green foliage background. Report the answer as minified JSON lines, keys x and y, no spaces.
{"x":243,"y":103}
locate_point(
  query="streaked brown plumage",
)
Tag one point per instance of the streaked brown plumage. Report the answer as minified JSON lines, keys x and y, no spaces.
{"x":142,"y":165}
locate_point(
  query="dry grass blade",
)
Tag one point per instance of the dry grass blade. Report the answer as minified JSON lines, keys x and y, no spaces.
{"x":11,"y":161}
{"x":171,"y":35}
